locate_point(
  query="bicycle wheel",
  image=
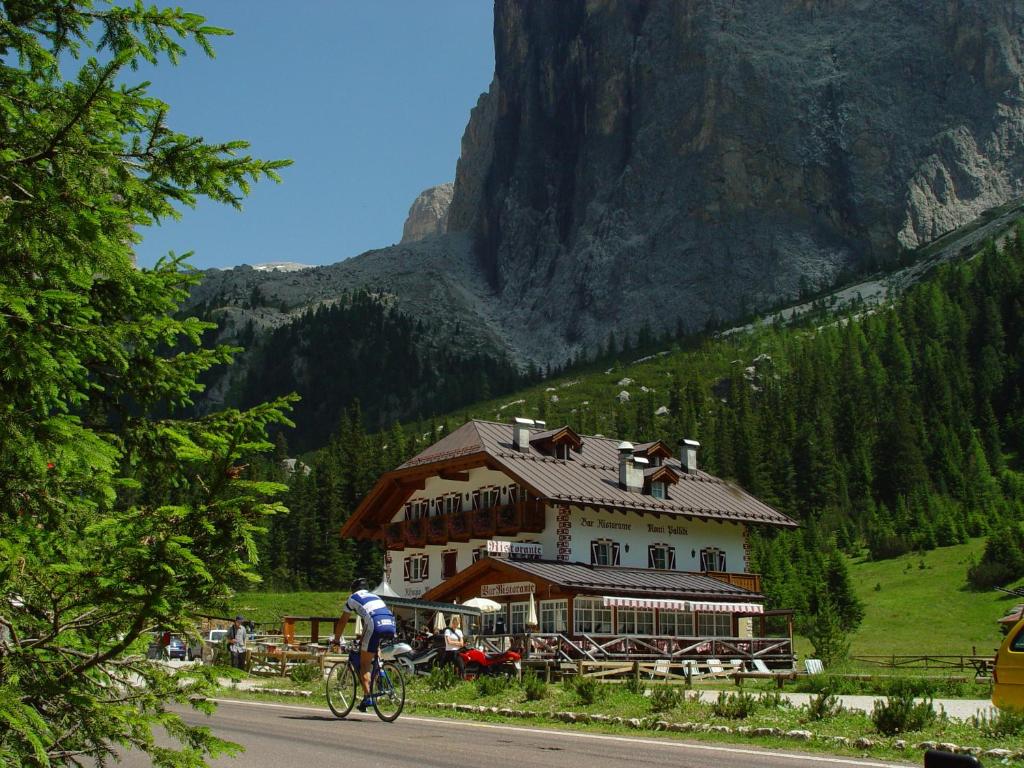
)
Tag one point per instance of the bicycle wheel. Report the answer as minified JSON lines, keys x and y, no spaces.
{"x":388,"y":688}
{"x":342,"y":686}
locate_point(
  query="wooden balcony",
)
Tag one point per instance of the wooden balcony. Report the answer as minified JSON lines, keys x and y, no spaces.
{"x":459,"y":527}
{"x":748,"y":581}
{"x":532,"y":516}
{"x":508,"y":519}
{"x":526,"y":516}
{"x":395,"y":536}
{"x":484,"y":522}
{"x":437,"y":529}
{"x":415,"y":533}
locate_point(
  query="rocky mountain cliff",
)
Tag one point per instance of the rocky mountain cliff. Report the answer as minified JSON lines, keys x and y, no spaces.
{"x":670,"y":162}
{"x":428,"y":214}
{"x":662,"y":160}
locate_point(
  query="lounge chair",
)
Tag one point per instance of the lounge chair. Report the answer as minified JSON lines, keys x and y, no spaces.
{"x":813,"y":666}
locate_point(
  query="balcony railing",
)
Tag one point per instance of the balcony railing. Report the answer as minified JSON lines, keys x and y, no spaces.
{"x":484,"y":522}
{"x":748,"y":581}
{"x":437,"y":529}
{"x":416,"y":533}
{"x":525,"y":516}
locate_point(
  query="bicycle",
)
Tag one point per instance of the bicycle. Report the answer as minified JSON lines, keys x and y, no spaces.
{"x":387,"y":687}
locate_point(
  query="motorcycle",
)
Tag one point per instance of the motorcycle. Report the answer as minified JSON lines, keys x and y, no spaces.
{"x":401,"y":654}
{"x":472,"y":662}
{"x":419,"y":657}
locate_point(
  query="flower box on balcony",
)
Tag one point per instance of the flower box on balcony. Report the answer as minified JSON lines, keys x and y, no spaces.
{"x":533,"y":516}
{"x":508,"y":519}
{"x":437,"y":529}
{"x":459,"y":526}
{"x":483,"y":523}
{"x":395,"y":536}
{"x":415,"y":533}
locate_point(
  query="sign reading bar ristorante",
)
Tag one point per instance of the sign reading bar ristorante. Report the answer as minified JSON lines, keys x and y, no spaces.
{"x":514,"y":549}
{"x":511,"y":588}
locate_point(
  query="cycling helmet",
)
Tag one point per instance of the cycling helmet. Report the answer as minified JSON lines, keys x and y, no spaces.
{"x":359,"y":584}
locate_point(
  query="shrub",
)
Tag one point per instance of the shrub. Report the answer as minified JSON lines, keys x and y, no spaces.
{"x":442,"y":678}
{"x":586,"y":689}
{"x":824,"y":706}
{"x":305,"y":673}
{"x":900,"y":713}
{"x":1003,"y":722}
{"x":665,"y":698}
{"x":773,"y":700}
{"x":534,"y":688}
{"x":635,"y":685}
{"x":830,"y":638}
{"x":488,"y":685}
{"x":735,"y":706}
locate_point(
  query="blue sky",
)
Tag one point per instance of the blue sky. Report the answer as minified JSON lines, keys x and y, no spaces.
{"x":369,"y":99}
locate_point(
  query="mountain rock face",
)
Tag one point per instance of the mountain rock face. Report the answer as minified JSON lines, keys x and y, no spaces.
{"x":671,"y":161}
{"x":428,"y":214}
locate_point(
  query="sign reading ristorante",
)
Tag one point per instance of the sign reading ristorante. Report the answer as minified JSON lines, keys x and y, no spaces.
{"x":514,"y":549}
{"x":509,"y":588}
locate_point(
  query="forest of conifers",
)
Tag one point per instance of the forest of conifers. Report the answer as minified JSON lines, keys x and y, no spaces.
{"x":885,"y":430}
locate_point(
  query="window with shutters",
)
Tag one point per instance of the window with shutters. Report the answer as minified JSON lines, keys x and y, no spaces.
{"x":662,"y":557}
{"x":604,"y":552}
{"x":449,"y":559}
{"x":452,"y":503}
{"x":416,"y":568}
{"x":489,"y":497}
{"x":590,"y":616}
{"x":712,"y":559}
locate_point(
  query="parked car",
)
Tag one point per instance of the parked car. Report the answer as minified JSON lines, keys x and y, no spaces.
{"x":1008,"y":672}
{"x":177,"y":648}
{"x":216,"y":636}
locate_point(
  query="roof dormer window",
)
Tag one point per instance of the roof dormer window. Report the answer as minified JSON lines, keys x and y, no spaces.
{"x":559,"y":443}
{"x":658,"y":489}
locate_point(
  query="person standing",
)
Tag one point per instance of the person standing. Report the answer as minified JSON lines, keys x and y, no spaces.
{"x":453,"y":640}
{"x":378,"y":625}
{"x":237,"y":644}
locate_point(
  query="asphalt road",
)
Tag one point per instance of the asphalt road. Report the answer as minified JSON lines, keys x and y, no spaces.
{"x":279,"y":736}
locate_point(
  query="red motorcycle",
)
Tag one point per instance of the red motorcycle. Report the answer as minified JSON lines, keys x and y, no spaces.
{"x":472,"y":662}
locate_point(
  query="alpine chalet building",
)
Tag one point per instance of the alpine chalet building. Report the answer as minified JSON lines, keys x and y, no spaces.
{"x":618,"y":546}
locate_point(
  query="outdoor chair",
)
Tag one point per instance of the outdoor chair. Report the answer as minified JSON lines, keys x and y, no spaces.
{"x":813,"y":666}
{"x":760,"y":666}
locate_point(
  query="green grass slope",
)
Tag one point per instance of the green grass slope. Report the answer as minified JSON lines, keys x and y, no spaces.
{"x":910,"y":609}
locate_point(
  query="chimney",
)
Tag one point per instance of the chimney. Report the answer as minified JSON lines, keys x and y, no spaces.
{"x":631,"y":476}
{"x":688,"y":455}
{"x":521,"y":434}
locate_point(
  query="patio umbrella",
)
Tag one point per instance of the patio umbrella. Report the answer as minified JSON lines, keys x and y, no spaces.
{"x":483,"y":604}
{"x":439,"y":622}
{"x":531,"y":614}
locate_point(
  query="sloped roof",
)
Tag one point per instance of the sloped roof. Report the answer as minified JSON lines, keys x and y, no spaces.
{"x":602,"y":579}
{"x":588,"y":478}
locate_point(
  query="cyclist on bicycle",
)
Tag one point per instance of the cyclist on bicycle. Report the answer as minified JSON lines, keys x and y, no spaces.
{"x":378,"y":626}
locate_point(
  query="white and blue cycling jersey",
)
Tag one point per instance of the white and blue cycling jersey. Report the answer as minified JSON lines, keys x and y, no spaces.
{"x":370,"y":608}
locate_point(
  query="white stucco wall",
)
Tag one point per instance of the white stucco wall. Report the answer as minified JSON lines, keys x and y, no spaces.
{"x":633,"y":531}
